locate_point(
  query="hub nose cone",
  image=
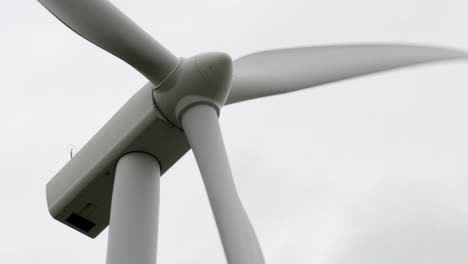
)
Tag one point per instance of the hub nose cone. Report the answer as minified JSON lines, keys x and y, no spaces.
{"x":216,"y":68}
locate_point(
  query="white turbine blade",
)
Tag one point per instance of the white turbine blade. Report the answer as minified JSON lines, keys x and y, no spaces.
{"x":237,"y":235}
{"x":103,"y":24}
{"x":280,"y":71}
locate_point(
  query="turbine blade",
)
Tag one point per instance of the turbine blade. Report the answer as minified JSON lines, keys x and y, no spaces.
{"x":103,"y":24}
{"x":280,"y":71}
{"x":237,"y":235}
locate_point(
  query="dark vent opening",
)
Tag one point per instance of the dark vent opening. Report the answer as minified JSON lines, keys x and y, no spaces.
{"x":80,"y":222}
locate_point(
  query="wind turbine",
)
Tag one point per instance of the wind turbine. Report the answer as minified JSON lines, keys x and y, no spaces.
{"x":114,"y":179}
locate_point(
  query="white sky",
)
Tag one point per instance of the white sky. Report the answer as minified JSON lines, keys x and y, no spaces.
{"x":371,"y":170}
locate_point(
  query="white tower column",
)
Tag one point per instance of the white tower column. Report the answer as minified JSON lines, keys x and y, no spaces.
{"x":133,"y":227}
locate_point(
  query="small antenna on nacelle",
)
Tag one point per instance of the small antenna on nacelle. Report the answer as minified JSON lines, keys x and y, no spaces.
{"x":71,"y":149}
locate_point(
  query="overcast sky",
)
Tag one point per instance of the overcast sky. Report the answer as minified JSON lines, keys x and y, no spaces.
{"x":371,"y":170}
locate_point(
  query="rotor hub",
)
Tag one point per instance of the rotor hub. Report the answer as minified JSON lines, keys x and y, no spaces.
{"x":201,"y":79}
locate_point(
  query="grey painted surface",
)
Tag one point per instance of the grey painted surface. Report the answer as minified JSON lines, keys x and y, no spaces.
{"x":240,"y":243}
{"x":100,"y":22}
{"x":374,"y":162}
{"x":133,"y":228}
{"x":205,"y":77}
{"x":267,"y":73}
{"x":88,"y":177}
{"x":178,"y":85}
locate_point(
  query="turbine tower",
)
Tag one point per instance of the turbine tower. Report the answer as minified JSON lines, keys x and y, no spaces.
{"x":114,"y":179}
